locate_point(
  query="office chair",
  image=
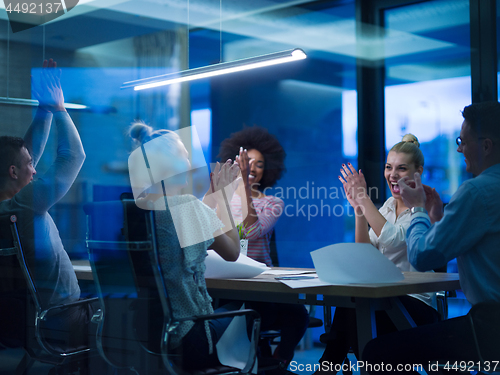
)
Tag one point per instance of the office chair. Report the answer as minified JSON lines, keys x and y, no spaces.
{"x":23,"y":319}
{"x":484,"y":321}
{"x":442,"y":297}
{"x":137,"y":323}
{"x":118,"y":342}
{"x":270,"y":337}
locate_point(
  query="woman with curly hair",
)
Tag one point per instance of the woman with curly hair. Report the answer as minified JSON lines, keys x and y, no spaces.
{"x":261,"y":159}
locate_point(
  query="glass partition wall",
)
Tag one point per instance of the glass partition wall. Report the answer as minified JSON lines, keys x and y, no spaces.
{"x":376,"y":69}
{"x":428,"y":84}
{"x":99,"y":46}
{"x":312,"y":105}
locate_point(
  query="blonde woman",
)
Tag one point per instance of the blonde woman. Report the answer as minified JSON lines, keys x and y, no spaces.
{"x":387,"y":233}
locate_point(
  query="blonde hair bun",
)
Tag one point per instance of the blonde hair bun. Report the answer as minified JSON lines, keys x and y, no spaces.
{"x":140,"y":132}
{"x":411,"y":139}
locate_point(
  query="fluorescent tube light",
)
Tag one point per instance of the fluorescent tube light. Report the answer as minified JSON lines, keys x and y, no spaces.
{"x":217,"y":69}
{"x":34,"y":103}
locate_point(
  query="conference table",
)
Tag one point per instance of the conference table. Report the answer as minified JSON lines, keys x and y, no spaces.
{"x":365,"y":298}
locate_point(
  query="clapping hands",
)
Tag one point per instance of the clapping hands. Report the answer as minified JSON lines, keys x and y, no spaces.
{"x":245,"y":164}
{"x":415,"y":194}
{"x":225,"y":177}
{"x":47,"y":89}
{"x":354,"y":184}
{"x":433,"y":204}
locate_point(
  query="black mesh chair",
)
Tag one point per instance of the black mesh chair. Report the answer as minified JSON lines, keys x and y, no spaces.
{"x":119,"y":343}
{"x":270,"y":337}
{"x":484,"y":322}
{"x":442,"y":296}
{"x":138,"y":302}
{"x":23,"y":319}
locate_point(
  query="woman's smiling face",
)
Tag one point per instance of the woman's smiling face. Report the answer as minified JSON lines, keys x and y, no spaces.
{"x":258,"y":166}
{"x":398,"y":166}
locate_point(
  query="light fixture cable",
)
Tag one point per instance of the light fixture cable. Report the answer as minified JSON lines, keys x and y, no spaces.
{"x":8,"y":57}
{"x":220,"y":31}
{"x":43,"y":43}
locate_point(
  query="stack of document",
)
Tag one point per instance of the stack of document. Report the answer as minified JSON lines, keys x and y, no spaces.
{"x":243,"y":268}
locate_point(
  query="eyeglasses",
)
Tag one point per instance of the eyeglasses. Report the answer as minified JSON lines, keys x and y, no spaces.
{"x":461,"y":143}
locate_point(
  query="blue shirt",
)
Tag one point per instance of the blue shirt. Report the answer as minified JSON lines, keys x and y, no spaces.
{"x":468,"y":231}
{"x":49,"y":264}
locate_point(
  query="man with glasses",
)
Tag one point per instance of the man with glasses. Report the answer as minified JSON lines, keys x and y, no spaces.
{"x":469,"y":230}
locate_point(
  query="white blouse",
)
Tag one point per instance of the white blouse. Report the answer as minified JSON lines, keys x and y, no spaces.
{"x":392,"y":243}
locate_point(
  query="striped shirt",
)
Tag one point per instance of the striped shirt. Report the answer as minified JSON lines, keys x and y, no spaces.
{"x":269,"y":210}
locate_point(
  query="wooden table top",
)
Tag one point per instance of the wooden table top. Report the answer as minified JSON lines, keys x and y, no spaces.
{"x":414,"y":282}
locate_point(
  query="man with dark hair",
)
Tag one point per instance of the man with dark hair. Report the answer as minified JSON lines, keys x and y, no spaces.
{"x":10,"y":150}
{"x":469,"y":230}
{"x":30,"y":201}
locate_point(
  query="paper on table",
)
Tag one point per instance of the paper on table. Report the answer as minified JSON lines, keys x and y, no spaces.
{"x":243,"y":268}
{"x":354,"y":263}
{"x":305,"y":283}
{"x":285,"y":272}
{"x":233,"y":346}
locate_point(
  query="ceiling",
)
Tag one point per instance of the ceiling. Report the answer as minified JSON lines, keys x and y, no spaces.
{"x":433,"y":34}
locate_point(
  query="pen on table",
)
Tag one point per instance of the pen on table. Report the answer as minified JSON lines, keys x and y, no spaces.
{"x":298,"y":277}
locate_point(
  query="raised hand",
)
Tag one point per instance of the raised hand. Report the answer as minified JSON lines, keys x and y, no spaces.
{"x":225,"y":177}
{"x":433,"y":204}
{"x":245,"y":165}
{"x":354,"y":184}
{"x":47,"y":87}
{"x":412,"y":192}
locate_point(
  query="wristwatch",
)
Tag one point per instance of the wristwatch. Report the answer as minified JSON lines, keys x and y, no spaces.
{"x":418,"y":209}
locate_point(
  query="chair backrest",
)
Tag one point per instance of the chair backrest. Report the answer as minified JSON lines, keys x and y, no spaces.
{"x":442,"y":296}
{"x":21,"y":307}
{"x":485,"y":323}
{"x":139,"y":226}
{"x":14,"y":292}
{"x":114,"y":281}
{"x":18,"y":292}
{"x":273,"y":249}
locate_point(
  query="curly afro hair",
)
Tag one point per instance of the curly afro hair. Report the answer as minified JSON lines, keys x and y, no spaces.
{"x":257,"y":138}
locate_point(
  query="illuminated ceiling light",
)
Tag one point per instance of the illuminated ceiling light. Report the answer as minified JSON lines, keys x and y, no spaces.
{"x":217,"y":69}
{"x":34,"y":103}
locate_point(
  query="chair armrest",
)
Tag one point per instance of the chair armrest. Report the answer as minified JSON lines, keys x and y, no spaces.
{"x":43,"y":316}
{"x":97,"y":317}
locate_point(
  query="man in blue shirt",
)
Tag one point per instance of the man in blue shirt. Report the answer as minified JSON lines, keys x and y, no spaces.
{"x":30,"y":200}
{"x":469,"y":230}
